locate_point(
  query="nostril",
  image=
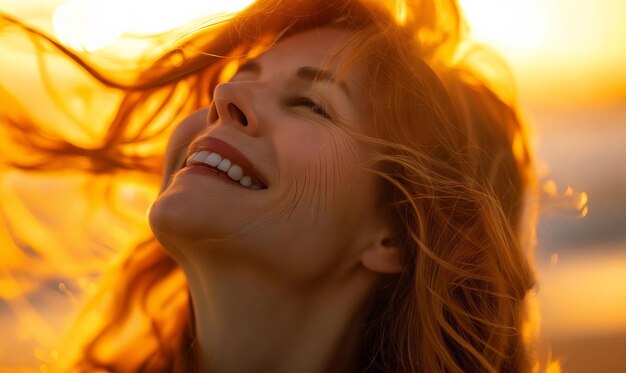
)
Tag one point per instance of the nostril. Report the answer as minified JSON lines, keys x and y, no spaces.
{"x":237,"y":113}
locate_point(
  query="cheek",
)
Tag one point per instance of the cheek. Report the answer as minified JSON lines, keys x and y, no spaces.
{"x":182,"y":135}
{"x":318,"y":173}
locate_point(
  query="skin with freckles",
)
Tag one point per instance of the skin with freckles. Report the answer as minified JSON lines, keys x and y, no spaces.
{"x":279,"y":277}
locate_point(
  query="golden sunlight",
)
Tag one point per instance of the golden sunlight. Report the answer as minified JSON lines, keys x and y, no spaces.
{"x":547,"y":43}
{"x":564,"y":54}
{"x":584,"y":293}
{"x":91,"y":24}
{"x":512,"y":25}
{"x":555,"y":43}
{"x":565,"y":28}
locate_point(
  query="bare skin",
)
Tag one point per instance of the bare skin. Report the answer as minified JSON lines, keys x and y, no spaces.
{"x":279,"y":277}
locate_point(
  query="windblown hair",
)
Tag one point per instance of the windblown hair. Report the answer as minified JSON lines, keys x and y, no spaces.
{"x":453,"y":157}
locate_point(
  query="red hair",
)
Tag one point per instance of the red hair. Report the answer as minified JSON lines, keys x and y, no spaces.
{"x":453,"y":156}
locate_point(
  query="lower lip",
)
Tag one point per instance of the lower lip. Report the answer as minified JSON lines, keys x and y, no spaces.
{"x":212,"y":172}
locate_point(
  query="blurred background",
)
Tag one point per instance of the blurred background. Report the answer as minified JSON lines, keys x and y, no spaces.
{"x":568,"y":60}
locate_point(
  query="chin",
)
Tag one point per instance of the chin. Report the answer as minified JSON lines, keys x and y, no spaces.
{"x":176,"y":220}
{"x":180,"y":220}
{"x":164,"y":217}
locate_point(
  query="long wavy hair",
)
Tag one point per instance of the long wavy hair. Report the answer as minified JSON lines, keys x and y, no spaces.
{"x":454,"y":158}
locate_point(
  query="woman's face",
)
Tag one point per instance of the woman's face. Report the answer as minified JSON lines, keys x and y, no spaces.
{"x":316,"y":206}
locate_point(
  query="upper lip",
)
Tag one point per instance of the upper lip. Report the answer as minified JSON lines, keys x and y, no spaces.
{"x":226,"y":150}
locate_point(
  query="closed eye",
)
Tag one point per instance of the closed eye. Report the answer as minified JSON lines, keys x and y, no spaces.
{"x":308,"y":102}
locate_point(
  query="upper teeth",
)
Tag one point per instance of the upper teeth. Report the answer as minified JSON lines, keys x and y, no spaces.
{"x":234,"y":171}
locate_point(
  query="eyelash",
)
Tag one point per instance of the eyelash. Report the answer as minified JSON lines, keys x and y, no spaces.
{"x":315,"y":107}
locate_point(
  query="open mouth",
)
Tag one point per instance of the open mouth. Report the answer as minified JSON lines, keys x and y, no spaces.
{"x":214,"y":163}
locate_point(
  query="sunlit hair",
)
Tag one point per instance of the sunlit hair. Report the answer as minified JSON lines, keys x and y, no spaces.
{"x":450,"y":149}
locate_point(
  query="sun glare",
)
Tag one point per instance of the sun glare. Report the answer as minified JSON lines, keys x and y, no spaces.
{"x":92,"y":24}
{"x":553,"y":43}
{"x":512,"y":25}
{"x":548,"y":43}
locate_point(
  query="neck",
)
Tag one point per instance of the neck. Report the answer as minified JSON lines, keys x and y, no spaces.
{"x":247,"y":322}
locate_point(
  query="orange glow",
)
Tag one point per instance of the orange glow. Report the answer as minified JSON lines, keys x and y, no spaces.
{"x":401,"y":13}
{"x":565,"y":203}
{"x":550,"y":188}
{"x":554,"y":44}
{"x":554,"y":258}
{"x":229,"y":70}
{"x":508,"y":25}
{"x":554,"y":366}
{"x":558,"y":57}
{"x":91,"y":24}
{"x":582,"y":201}
{"x":519,"y":149}
{"x":585,"y":293}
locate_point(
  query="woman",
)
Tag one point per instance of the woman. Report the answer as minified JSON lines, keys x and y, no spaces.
{"x":344,"y":195}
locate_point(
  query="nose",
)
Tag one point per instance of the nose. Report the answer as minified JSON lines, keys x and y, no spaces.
{"x":232,"y":105}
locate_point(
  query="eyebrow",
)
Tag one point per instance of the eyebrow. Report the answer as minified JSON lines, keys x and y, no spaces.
{"x":305,"y":73}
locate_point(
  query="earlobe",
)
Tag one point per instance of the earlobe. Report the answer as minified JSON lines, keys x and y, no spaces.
{"x":382,"y":258}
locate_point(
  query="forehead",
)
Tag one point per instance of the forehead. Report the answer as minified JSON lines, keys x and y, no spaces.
{"x":315,"y":48}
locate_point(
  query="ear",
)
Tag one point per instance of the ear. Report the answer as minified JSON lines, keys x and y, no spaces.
{"x":382,"y":257}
